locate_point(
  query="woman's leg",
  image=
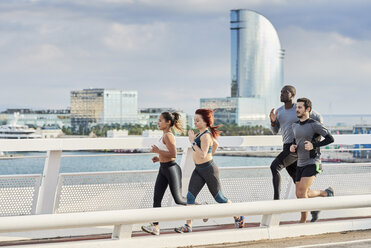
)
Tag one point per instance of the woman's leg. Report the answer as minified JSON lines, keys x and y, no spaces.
{"x":174,"y":177}
{"x":195,"y":185}
{"x":211,"y":176}
{"x":159,"y":191}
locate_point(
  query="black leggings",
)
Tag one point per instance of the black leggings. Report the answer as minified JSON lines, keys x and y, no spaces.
{"x":285,"y":159}
{"x":169,"y":174}
{"x":205,"y":173}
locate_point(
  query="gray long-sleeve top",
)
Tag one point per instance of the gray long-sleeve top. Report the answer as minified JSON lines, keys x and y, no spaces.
{"x":285,"y":119}
{"x":310,"y":130}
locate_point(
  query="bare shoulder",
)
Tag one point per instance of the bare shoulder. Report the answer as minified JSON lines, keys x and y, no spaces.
{"x":169,"y":137}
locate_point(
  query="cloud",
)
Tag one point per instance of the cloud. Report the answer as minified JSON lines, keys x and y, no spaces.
{"x":43,"y":53}
{"x":175,"y":52}
{"x":134,"y":37}
{"x":328,"y":67}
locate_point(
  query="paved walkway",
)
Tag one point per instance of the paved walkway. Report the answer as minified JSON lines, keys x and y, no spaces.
{"x":355,"y":239}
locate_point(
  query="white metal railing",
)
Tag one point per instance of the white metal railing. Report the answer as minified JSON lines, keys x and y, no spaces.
{"x":123,"y":220}
{"x":47,"y":196}
{"x":96,"y":191}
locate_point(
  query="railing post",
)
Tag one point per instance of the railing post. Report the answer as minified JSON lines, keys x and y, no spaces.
{"x":291,"y":190}
{"x":122,"y":231}
{"x":45,"y":203}
{"x":270,"y":220}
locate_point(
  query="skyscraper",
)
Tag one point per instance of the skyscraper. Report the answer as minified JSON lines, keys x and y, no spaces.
{"x":256,"y":71}
{"x":256,"y":56}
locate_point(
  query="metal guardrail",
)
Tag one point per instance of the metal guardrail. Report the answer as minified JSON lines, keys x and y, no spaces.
{"x":46,"y":195}
{"x":124,"y":219}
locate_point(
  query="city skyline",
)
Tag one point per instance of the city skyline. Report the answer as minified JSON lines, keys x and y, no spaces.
{"x":173,"y":54}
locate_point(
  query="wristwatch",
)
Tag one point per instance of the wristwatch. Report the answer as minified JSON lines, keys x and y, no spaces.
{"x":194,"y":143}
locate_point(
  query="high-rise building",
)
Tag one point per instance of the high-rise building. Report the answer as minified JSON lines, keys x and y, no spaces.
{"x":256,"y":71}
{"x":100,"y":106}
{"x":256,"y":56}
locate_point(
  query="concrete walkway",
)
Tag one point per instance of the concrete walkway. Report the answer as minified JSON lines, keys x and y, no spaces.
{"x":354,"y":239}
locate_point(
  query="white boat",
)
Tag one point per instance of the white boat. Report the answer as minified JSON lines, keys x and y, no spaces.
{"x":15,"y":131}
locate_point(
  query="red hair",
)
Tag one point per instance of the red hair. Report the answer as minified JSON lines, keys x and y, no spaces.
{"x":208,"y":117}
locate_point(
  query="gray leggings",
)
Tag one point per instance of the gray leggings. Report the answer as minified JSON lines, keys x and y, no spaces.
{"x":206,"y":173}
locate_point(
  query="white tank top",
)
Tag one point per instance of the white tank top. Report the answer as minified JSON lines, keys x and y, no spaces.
{"x":160,"y":143}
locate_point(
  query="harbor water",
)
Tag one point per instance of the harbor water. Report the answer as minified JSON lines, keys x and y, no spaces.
{"x":109,"y":163}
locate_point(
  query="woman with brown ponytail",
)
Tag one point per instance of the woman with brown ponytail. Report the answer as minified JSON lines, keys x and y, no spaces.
{"x":204,"y":145}
{"x":169,"y":173}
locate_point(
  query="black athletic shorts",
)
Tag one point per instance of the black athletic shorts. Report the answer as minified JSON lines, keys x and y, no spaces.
{"x":307,"y":171}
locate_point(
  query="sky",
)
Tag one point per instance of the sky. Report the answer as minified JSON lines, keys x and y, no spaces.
{"x":174,"y":52}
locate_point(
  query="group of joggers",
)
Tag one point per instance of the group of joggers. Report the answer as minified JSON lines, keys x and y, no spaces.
{"x":302,"y":131}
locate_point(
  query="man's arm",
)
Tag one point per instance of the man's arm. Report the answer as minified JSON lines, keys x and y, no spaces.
{"x":275,"y":127}
{"x":324,"y":132}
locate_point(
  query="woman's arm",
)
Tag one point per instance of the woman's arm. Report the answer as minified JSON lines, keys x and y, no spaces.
{"x":215,"y":146}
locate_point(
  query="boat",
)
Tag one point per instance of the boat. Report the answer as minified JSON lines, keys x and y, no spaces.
{"x":16,"y":131}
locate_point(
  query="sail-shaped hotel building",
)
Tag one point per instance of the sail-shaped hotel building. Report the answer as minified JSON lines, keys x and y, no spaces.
{"x":256,"y":71}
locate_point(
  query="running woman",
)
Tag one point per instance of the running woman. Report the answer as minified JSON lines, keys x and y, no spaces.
{"x":307,"y":143}
{"x":204,"y":145}
{"x":282,"y":120}
{"x":169,"y":173}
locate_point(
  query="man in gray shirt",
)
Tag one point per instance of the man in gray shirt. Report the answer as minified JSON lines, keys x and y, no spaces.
{"x":282,"y":119}
{"x":307,"y":141}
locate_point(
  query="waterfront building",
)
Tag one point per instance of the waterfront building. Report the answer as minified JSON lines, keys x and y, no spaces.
{"x":44,"y":118}
{"x":90,"y":107}
{"x":149,"y":116}
{"x":256,"y":71}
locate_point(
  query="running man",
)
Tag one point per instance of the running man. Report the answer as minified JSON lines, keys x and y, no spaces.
{"x":307,"y":142}
{"x":283,"y":119}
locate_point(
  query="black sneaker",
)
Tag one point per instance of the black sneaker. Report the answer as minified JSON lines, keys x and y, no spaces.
{"x":314,"y":215}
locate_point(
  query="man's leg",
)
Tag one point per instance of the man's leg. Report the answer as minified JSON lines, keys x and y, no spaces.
{"x":315,"y":193}
{"x":302,"y":188}
{"x":290,"y":163}
{"x":276,"y":166}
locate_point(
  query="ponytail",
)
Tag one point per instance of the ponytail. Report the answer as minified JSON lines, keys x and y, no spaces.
{"x":174,"y":119}
{"x":214,"y":131}
{"x":177,"y":123}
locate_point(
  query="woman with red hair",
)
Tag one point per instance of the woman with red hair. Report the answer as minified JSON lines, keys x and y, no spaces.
{"x":204,"y":145}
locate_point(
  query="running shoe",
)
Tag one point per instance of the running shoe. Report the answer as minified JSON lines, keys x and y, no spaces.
{"x":330,"y":193}
{"x":238,"y":223}
{"x":314,"y":215}
{"x":183,"y":229}
{"x":152,"y":229}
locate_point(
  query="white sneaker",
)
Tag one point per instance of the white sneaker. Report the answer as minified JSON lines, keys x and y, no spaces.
{"x":152,"y":229}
